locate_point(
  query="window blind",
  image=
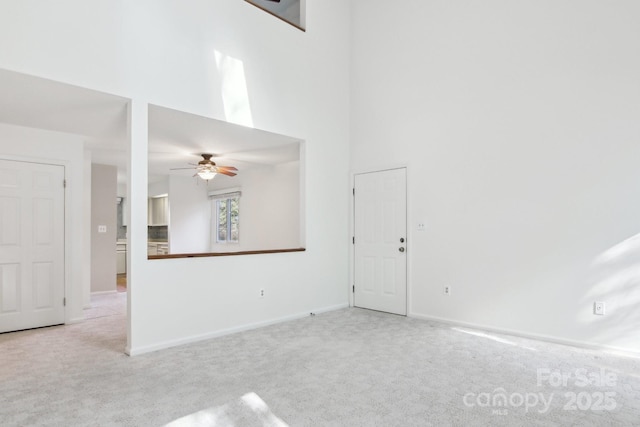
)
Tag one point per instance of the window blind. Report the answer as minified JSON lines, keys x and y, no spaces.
{"x":224,"y":194}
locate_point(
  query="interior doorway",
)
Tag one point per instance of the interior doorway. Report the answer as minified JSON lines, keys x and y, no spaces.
{"x":380,"y":241}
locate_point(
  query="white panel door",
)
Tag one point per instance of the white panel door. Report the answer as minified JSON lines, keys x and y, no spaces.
{"x":380,"y":229}
{"x":31,"y":245}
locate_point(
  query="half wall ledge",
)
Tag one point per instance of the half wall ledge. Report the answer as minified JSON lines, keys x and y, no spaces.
{"x":212,"y":254}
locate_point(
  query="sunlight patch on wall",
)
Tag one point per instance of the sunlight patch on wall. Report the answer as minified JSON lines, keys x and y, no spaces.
{"x":235,"y":95}
{"x":628,"y":247}
{"x":614,"y":279}
{"x":616,"y":273}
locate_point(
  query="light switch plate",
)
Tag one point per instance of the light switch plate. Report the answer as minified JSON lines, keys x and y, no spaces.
{"x":102,"y":229}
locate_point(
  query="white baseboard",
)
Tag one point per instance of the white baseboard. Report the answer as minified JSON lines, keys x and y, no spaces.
{"x":620,"y":351}
{"x":104,"y":292}
{"x":195,"y":338}
{"x":75,"y":320}
{"x":328,"y":309}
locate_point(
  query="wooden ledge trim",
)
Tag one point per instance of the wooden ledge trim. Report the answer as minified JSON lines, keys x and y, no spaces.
{"x":214,"y":254}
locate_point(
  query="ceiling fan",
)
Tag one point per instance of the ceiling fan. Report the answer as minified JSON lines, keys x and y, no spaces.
{"x":207,"y":169}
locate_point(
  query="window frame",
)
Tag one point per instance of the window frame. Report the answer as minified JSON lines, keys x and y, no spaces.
{"x":224,"y":197}
{"x":229,"y":223}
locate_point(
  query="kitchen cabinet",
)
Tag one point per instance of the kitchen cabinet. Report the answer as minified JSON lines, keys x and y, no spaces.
{"x":125,"y":211}
{"x":121,"y":257}
{"x":157,"y":248}
{"x":152,"y":249}
{"x":158,"y":211}
{"x":163,"y":249}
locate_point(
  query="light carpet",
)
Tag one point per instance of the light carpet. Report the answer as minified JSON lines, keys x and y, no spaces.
{"x":349,"y":367}
{"x":249,"y":410}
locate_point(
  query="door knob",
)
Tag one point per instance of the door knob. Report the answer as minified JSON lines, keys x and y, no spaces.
{"x":402,"y":240}
{"x":401,"y":249}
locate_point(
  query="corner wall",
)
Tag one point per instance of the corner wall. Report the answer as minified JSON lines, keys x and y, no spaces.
{"x":165,"y":52}
{"x":104,"y":182}
{"x":518,"y":122}
{"x":269,"y":208}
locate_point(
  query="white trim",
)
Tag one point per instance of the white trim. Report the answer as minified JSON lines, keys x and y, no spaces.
{"x":225,"y":193}
{"x":621,"y":351}
{"x":408,"y":237}
{"x":379,"y":168}
{"x":196,"y":338}
{"x":302,"y":193}
{"x":104,"y":292}
{"x":68,"y":277}
{"x":75,"y":320}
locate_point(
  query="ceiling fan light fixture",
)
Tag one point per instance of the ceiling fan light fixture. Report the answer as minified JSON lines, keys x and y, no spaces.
{"x":206,"y":174}
{"x":207,"y":170}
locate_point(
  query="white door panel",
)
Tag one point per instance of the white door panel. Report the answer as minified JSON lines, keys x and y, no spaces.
{"x":380,"y":241}
{"x":31,"y":245}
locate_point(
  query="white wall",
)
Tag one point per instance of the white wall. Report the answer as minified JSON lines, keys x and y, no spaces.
{"x":20,"y":143}
{"x":103,"y":212}
{"x":122,"y":189}
{"x":164,"y":52}
{"x":269,"y":210}
{"x":189,"y":215}
{"x":159,"y":188}
{"x":86,"y":229}
{"x":269,"y":207}
{"x":518,"y":122}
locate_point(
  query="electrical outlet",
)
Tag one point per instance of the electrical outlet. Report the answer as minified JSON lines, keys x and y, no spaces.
{"x":421,"y":226}
{"x":599,"y":308}
{"x":447,"y":290}
{"x":261,"y":293}
{"x":102,"y":229}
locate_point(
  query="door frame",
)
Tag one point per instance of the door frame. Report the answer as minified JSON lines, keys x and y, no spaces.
{"x":409,"y":237}
{"x":66,"y":265}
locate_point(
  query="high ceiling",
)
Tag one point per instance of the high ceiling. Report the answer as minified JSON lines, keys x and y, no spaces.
{"x":175,"y":138}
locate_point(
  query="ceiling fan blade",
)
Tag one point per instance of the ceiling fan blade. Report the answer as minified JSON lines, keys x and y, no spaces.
{"x":206,"y":166}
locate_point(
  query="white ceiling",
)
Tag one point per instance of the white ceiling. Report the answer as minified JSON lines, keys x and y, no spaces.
{"x":175,"y":138}
{"x":44,"y":104}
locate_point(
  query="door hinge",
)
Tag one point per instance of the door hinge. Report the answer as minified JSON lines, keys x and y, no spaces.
{"x":64,"y":183}
{"x":354,"y":289}
{"x":64,"y":302}
{"x":353,"y":240}
{"x":354,"y":191}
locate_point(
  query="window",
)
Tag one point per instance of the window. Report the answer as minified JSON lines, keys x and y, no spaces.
{"x":226,"y":213}
{"x":291,"y":11}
